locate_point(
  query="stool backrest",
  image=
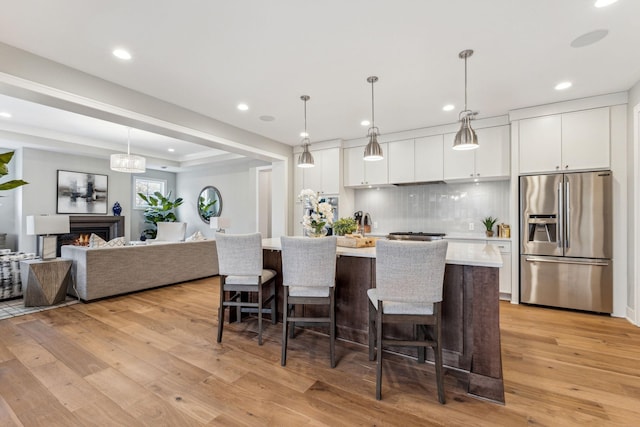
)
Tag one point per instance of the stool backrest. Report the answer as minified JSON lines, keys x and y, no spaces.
{"x":239,"y":254}
{"x":309,"y":261}
{"x":410,"y":271}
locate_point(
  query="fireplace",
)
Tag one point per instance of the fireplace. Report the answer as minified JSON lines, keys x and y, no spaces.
{"x":81,"y":227}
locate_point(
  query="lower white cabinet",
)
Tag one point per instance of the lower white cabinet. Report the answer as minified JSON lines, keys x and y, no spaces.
{"x":505,"y":271}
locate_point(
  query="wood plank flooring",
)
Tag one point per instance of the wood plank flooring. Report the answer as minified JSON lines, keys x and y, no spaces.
{"x":151,"y":358}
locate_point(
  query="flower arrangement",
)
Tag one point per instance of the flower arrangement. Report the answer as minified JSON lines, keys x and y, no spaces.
{"x":319,"y":214}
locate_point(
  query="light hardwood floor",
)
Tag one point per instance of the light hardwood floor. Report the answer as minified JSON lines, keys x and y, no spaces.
{"x":151,"y":358}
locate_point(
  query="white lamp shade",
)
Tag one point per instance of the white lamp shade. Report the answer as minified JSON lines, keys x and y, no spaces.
{"x":47,"y":224}
{"x":128,"y":163}
{"x":218,"y":223}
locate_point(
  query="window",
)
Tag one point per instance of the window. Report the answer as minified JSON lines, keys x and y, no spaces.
{"x":146,"y":186}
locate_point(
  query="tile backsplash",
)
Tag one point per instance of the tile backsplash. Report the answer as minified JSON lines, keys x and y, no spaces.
{"x":438,"y":207}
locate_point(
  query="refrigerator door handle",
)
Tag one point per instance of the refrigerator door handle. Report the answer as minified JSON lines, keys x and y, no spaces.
{"x":560,"y":232}
{"x":567,"y":261}
{"x":567,"y":217}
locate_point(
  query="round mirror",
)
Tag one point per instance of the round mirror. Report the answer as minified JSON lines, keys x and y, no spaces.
{"x":209,"y":203}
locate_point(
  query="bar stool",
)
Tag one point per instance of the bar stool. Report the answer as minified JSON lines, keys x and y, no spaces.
{"x":409,"y":282}
{"x":241,"y":273}
{"x":308,"y":277}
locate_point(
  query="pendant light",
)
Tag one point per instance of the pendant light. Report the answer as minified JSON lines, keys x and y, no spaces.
{"x":128,"y":163}
{"x":373,"y":151}
{"x":466,"y":138}
{"x":305,"y":160}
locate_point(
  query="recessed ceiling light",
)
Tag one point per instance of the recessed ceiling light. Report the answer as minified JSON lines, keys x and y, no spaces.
{"x":448,"y":107}
{"x":304,"y":134}
{"x":243,"y":107}
{"x":5,"y":115}
{"x":563,"y":85}
{"x":365,"y":123}
{"x":122,"y":54}
{"x":171,"y":150}
{"x":589,"y":38}
{"x":604,"y":3}
{"x":267,"y":118}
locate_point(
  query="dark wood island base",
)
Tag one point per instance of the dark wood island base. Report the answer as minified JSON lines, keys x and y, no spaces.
{"x":471,"y":322}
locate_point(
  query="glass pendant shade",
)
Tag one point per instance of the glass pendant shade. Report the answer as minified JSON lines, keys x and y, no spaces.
{"x":305,"y":159}
{"x":128,"y":163}
{"x":466,"y":138}
{"x":373,"y":151}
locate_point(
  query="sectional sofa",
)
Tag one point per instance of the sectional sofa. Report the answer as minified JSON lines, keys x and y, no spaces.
{"x":104,"y":272}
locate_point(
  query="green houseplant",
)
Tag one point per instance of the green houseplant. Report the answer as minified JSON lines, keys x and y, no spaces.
{"x":344,"y":226}
{"x":489,"y":222}
{"x":5,"y":158}
{"x":161,"y":209}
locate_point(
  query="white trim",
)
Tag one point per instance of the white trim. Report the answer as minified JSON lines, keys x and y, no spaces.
{"x":568,"y":106}
{"x":157,"y":125}
{"x":635,"y":312}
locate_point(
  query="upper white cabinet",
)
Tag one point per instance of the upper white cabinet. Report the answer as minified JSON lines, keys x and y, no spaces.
{"x":428,"y":158}
{"x":400,"y":153}
{"x":490,"y":160}
{"x":324,"y":177}
{"x":415,"y":160}
{"x":358,"y":172}
{"x":578,"y":140}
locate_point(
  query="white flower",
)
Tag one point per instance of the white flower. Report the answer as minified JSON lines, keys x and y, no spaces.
{"x":318,"y":214}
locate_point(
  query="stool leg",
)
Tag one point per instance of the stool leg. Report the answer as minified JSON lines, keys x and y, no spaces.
{"x":285,"y":323}
{"x":372,"y":331}
{"x":332,"y":328}
{"x":379,"y":352}
{"x":221,"y":310}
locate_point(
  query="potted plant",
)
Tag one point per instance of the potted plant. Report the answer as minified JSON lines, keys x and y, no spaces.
{"x":161,"y":209}
{"x":489,"y":222}
{"x":5,"y":158}
{"x":345,"y":226}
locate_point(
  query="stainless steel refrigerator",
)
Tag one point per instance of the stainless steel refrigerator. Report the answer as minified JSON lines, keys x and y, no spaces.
{"x":566,"y":249}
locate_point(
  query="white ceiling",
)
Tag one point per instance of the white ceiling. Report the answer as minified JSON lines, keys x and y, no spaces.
{"x":208,"y":56}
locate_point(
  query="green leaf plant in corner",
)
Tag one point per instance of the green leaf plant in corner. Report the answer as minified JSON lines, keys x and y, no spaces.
{"x":161,"y":209}
{"x":5,"y":158}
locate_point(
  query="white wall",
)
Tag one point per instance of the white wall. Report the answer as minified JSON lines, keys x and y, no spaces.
{"x":633,"y":160}
{"x":238,"y":187}
{"x":39,"y":168}
{"x":7,"y":204}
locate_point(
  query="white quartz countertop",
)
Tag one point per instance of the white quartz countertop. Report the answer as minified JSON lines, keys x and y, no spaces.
{"x":481,"y":255}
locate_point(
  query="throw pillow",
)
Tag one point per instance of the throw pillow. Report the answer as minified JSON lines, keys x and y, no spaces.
{"x":196,"y":237}
{"x":96,"y":241}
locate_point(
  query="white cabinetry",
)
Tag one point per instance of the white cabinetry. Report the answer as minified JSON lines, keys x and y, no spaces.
{"x":401,"y":166}
{"x":324,"y":177}
{"x":505,"y":271}
{"x":358,"y":172}
{"x":428,"y":159}
{"x":489,"y":160}
{"x":416,"y":160}
{"x":578,"y":140}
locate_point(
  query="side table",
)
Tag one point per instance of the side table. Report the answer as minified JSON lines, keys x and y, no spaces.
{"x":44,"y":282}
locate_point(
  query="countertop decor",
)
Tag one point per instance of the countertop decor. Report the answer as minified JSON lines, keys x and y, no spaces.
{"x":318,"y":214}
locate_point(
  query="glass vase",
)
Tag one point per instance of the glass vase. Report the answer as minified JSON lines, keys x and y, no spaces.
{"x":317,"y":232}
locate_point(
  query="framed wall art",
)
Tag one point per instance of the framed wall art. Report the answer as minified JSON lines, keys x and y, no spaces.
{"x":81,"y":193}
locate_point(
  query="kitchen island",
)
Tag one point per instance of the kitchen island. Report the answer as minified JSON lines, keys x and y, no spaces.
{"x":470,"y":315}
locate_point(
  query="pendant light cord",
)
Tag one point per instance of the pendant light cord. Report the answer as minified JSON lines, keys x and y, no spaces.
{"x":306,"y":135}
{"x":465,"y":83}
{"x":373,"y":120}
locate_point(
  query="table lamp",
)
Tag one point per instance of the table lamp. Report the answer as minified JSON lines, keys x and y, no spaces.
{"x":47,"y":227}
{"x":219,"y":223}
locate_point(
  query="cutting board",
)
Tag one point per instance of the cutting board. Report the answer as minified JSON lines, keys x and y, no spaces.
{"x":356,"y":241}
